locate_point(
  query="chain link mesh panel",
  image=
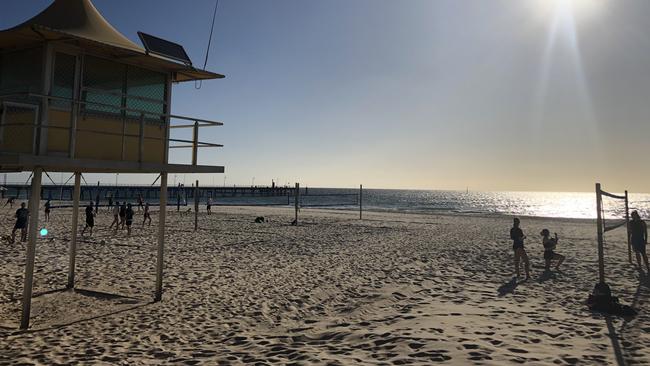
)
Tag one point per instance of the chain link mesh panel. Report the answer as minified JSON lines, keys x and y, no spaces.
{"x":63,"y":80}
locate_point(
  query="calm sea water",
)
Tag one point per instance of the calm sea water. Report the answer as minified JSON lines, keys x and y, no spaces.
{"x":543,"y":204}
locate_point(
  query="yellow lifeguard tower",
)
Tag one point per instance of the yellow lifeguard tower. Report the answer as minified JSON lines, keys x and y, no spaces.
{"x":78,"y":96}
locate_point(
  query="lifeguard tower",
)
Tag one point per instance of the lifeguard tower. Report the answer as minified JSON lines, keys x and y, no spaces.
{"x":78,"y":96}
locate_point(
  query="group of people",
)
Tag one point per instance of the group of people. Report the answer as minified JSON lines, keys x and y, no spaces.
{"x":122,"y":216}
{"x":549,"y":243}
{"x":637,"y":236}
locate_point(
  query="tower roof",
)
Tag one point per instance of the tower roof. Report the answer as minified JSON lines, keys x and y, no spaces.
{"x":79,"y":22}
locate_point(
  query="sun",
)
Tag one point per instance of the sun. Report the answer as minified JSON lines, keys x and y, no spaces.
{"x":575,"y":9}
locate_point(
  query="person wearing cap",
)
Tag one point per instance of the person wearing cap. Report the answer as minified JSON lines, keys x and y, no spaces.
{"x":638,"y":236}
{"x":517,"y":236}
{"x":549,"y":250}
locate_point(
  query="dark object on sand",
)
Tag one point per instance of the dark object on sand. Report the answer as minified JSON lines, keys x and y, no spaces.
{"x":259,"y":219}
{"x":602,"y":300}
{"x":294,"y":222}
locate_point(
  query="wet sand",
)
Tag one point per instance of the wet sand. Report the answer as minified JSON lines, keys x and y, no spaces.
{"x":392,"y":289}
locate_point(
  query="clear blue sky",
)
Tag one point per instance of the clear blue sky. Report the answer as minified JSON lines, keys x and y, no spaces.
{"x":494,"y":95}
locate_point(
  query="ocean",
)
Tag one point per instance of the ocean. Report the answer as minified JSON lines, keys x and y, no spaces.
{"x":579,"y":205}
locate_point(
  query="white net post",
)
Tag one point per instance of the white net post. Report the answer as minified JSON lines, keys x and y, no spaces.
{"x":599,"y":227}
{"x":627,"y":228}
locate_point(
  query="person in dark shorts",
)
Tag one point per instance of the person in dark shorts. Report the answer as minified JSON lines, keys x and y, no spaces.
{"x":208,"y":206}
{"x":638,"y":236}
{"x":90,"y":219}
{"x":123,"y":214}
{"x":110,"y":202}
{"x":129,"y":219}
{"x":97,"y":203}
{"x":140,"y":202}
{"x":22,"y":219}
{"x":147,"y":214}
{"x":47,"y":210}
{"x":517,"y":236}
{"x":549,"y":250}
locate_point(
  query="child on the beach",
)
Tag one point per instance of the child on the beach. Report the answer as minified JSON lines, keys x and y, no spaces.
{"x":517,"y":236}
{"x":549,"y":250}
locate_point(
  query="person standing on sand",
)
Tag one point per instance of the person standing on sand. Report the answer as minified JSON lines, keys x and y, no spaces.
{"x":122,"y":214}
{"x":47,"y":210}
{"x":638,"y":235}
{"x":549,"y":250}
{"x":116,"y":215}
{"x":147,"y":214}
{"x":517,"y":236}
{"x":90,"y":219}
{"x":208,"y":206}
{"x":129,"y":219}
{"x":22,"y":218}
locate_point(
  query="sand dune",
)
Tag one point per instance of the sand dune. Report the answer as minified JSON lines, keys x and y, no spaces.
{"x":392,"y":289}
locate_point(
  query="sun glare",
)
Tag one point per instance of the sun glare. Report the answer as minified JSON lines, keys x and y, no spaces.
{"x":576,"y":9}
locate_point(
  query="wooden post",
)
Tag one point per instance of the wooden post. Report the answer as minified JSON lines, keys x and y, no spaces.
{"x":34,"y":203}
{"x":196,"y":205}
{"x":195,"y":143}
{"x":599,"y":227}
{"x":361,"y":202}
{"x":627,"y":229}
{"x":297,"y":201}
{"x":73,"y":233}
{"x":161,"y":235}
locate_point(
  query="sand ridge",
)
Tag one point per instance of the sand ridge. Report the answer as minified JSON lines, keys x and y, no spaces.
{"x":391,"y":289}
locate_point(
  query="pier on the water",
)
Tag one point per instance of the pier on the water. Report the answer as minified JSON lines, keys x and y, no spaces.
{"x":132,"y":192}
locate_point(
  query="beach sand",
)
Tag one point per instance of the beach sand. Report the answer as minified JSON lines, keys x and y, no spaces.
{"x":391,"y":289}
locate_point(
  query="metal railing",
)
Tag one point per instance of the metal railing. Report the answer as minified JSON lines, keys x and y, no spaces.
{"x":80,"y":108}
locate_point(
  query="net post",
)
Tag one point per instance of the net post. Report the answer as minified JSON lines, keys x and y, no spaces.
{"x":360,"y":201}
{"x":627,"y":228}
{"x":599,"y":227}
{"x":297,"y":201}
{"x":196,"y":205}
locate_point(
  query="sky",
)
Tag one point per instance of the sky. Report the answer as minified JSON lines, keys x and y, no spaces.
{"x":533,"y":95}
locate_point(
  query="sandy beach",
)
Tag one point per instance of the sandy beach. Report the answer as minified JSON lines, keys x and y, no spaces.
{"x":391,"y":289}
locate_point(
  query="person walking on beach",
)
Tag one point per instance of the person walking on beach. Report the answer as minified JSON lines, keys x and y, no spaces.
{"x":517,"y":236}
{"x":638,"y":232}
{"x":116,"y":216}
{"x":47,"y":210}
{"x":147,"y":214}
{"x":122,"y":214}
{"x":110,"y":202}
{"x":549,"y":250}
{"x":90,"y":219}
{"x":208,"y":206}
{"x":10,"y":202}
{"x":129,"y":219}
{"x":22,"y":218}
{"x":140,"y":202}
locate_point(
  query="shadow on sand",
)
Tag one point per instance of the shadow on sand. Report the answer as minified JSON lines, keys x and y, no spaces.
{"x":508,"y":287}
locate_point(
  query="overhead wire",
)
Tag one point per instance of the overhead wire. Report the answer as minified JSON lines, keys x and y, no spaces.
{"x":199,"y":83}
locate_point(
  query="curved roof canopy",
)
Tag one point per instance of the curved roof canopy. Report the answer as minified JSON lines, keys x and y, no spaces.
{"x":78,"y":22}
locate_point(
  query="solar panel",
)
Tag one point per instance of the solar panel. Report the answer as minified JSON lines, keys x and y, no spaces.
{"x":161,"y":47}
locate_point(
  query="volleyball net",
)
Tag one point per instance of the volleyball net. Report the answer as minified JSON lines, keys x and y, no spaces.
{"x":613,"y":212}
